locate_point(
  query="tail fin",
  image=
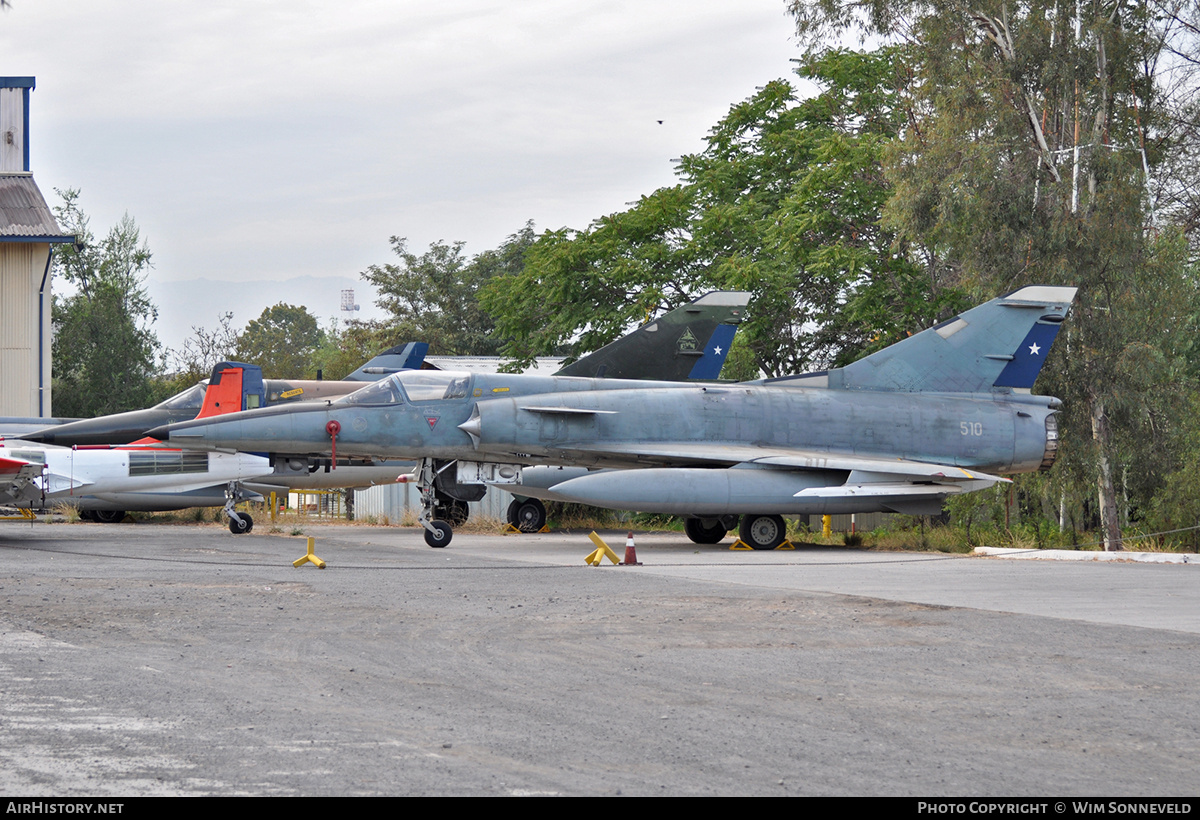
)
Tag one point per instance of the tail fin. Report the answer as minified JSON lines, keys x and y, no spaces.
{"x":233,"y":386}
{"x":392,"y":360}
{"x":672,"y":347}
{"x":997,"y":346}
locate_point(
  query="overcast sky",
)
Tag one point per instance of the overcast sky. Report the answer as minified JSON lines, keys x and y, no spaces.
{"x":268,"y":140}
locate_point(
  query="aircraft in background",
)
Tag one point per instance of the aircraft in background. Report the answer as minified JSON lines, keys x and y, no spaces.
{"x":37,"y":475}
{"x":667,"y":348}
{"x":231,"y":387}
{"x":122,"y":428}
{"x":900,"y":430}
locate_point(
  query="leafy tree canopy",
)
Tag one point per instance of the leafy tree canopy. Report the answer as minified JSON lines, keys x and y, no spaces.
{"x":434,"y":297}
{"x":283,"y":341}
{"x":105,"y":349}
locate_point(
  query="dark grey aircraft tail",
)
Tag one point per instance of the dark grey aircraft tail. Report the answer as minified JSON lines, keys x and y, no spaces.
{"x":392,"y":360}
{"x":690,"y":342}
{"x":1000,"y":345}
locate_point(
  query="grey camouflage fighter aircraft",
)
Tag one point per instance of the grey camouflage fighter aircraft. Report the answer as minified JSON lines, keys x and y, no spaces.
{"x":900,"y":430}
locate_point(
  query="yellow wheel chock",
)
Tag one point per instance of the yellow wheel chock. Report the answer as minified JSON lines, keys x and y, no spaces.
{"x":742,"y":545}
{"x":309,"y":557}
{"x":596,"y":557}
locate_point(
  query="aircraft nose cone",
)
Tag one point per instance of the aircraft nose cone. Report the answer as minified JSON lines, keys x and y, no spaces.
{"x":473,"y":426}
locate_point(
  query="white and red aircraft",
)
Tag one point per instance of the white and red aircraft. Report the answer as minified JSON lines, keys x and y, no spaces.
{"x":39,"y":475}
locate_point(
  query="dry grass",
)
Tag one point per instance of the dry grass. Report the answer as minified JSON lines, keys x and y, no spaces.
{"x":68,"y":511}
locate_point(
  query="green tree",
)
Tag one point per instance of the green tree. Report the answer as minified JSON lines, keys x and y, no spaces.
{"x":105,"y":349}
{"x":1029,"y":130}
{"x":434,"y":297}
{"x":345,"y":347}
{"x":283,"y":341}
{"x":784,"y":202}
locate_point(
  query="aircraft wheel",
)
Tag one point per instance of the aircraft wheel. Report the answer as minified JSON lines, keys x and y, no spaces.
{"x":702,"y":532}
{"x":240,"y":525}
{"x":763,"y":532}
{"x":87,"y":515}
{"x":440,"y":538}
{"x":531,"y":515}
{"x":456,"y":512}
{"x":511,"y":515}
{"x":109,"y":516}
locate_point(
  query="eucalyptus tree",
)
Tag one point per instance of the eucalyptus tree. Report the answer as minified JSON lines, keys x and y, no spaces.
{"x":1036,"y":145}
{"x":105,"y":347}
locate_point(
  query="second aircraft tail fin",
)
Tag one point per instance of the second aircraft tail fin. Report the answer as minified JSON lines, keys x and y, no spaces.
{"x":401,"y":357}
{"x":689,"y":342}
{"x":233,"y":386}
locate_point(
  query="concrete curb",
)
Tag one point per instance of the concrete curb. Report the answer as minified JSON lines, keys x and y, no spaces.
{"x":1092,"y":555}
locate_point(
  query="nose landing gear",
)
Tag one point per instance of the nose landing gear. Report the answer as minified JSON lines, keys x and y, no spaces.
{"x":240,"y":523}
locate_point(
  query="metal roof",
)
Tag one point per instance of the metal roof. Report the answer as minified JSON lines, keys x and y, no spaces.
{"x":24,"y":214}
{"x":490,"y":364}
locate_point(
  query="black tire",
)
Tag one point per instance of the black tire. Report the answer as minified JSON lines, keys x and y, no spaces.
{"x":702,"y":533}
{"x":763,"y":532}
{"x":109,"y":516}
{"x":531,"y":515}
{"x":87,"y":515}
{"x":442,"y":537}
{"x":511,"y":515}
{"x":241,"y":524}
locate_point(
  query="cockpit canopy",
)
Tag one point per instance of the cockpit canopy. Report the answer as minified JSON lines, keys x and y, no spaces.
{"x":190,"y":399}
{"x":418,"y":385}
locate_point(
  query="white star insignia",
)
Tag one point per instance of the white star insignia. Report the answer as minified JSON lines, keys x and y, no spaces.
{"x":717,"y":350}
{"x":1034,"y":349}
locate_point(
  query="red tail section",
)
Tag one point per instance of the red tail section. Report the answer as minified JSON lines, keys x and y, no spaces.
{"x":224,"y":394}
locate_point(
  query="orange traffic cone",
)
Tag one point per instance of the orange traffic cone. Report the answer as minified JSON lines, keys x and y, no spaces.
{"x":630,"y":553}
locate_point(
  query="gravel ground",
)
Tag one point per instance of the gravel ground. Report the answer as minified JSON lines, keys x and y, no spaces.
{"x":172,"y":660}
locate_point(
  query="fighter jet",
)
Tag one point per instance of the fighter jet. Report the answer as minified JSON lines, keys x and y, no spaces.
{"x":233,"y":386}
{"x":667,"y":347}
{"x":690,"y":342}
{"x":900,"y":430}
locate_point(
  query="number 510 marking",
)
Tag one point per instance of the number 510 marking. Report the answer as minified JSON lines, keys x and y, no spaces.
{"x":971,"y":428}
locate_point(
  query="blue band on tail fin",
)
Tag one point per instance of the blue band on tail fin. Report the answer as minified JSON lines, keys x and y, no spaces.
{"x":710,"y":364}
{"x":1029,"y":357}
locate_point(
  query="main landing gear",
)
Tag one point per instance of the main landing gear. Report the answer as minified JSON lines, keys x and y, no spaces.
{"x":760,"y":532}
{"x":527,"y":515}
{"x":106,"y":516}
{"x":708,"y":530}
{"x":763,"y":532}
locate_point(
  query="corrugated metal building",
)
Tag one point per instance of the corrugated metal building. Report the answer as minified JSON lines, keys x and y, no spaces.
{"x":394,"y":501}
{"x":28,"y":231}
